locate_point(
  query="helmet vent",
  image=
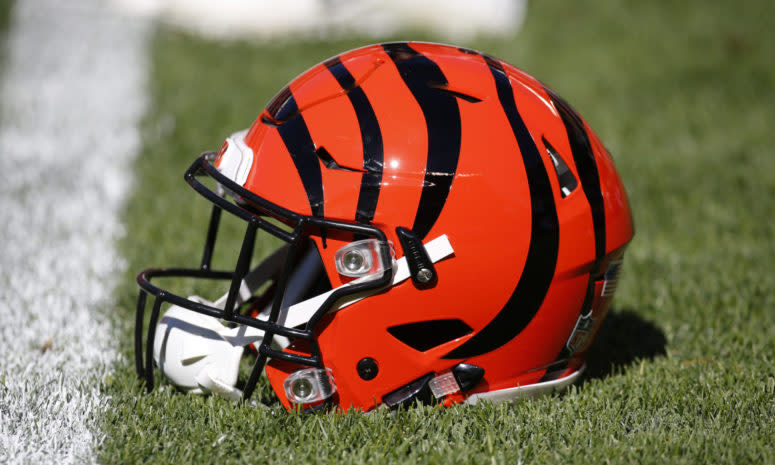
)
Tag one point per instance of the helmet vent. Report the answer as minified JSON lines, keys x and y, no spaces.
{"x":283,"y":106}
{"x":461,"y":95}
{"x":565,"y":176}
{"x":266,"y":119}
{"x":329,"y":162}
{"x":425,"y":335}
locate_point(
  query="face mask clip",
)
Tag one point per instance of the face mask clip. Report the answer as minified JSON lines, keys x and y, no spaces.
{"x":362,"y":259}
{"x":309,"y":385}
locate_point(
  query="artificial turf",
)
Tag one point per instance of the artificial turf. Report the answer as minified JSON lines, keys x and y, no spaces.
{"x":682,"y":94}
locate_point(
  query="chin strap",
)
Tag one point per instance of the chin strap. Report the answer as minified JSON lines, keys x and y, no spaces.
{"x":300,"y":313}
{"x":438,"y":249}
{"x":199,"y":354}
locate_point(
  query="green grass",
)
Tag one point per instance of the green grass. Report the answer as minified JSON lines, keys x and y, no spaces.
{"x":5,"y":21}
{"x":683,"y":371}
{"x":5,"y":15}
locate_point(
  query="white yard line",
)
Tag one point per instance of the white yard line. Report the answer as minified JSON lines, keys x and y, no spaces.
{"x":454,"y":21}
{"x":71,"y":99}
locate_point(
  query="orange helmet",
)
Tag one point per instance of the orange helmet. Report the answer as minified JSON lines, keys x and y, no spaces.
{"x":454,"y":232}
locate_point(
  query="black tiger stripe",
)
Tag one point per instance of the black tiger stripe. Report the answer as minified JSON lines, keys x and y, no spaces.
{"x":371,"y":139}
{"x":278,"y":103}
{"x":584,"y":158}
{"x":541,"y":260}
{"x":442,"y":119}
{"x":298,"y":142}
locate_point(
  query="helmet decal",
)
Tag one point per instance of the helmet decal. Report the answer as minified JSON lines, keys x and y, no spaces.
{"x":371,"y":136}
{"x":585,"y":164}
{"x":442,"y":119}
{"x":541,"y":261}
{"x":584,"y":159}
{"x":298,"y":141}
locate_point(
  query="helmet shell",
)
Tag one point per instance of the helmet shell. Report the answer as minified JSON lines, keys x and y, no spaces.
{"x":443,"y":140}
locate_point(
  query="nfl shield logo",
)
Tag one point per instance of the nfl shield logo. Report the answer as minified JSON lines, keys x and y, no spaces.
{"x":581,"y":333}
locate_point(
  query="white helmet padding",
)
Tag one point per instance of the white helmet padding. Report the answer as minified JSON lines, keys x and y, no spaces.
{"x":193,"y":354}
{"x":199,"y":354}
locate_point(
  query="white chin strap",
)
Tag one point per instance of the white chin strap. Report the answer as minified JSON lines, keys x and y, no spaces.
{"x":199,"y":354}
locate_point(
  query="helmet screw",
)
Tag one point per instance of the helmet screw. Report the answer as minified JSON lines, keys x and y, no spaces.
{"x":424,"y":275}
{"x":367,"y":368}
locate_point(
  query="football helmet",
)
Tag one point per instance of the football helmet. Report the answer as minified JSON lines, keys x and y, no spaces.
{"x":453,"y":231}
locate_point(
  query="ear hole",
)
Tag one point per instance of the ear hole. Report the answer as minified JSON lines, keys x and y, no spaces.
{"x":565,"y":176}
{"x":425,"y":335}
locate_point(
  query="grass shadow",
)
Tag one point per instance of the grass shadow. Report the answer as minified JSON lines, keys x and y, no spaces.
{"x":624,"y":338}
